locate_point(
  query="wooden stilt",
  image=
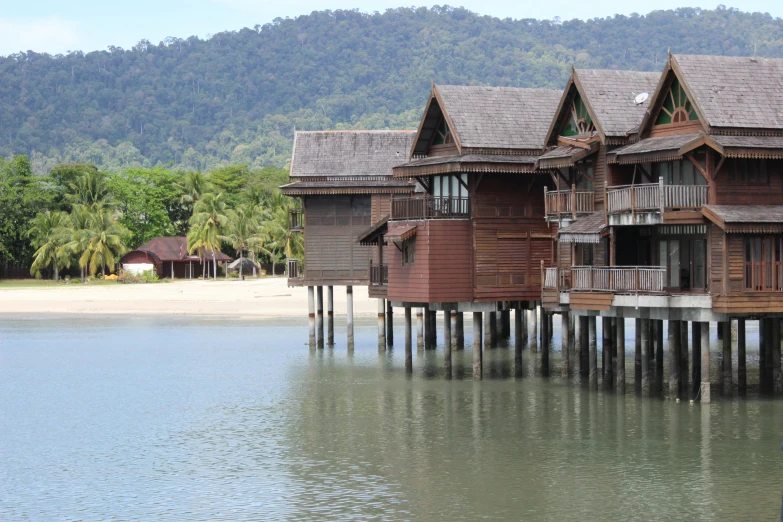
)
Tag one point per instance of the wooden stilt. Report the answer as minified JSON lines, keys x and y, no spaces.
{"x":349,"y":310}
{"x":534,"y":333}
{"x":389,"y":324}
{"x":593,"y":376}
{"x":684,"y":358}
{"x":487,"y":330}
{"x":728,"y":381}
{"x":459,"y":326}
{"x":434,"y":321}
{"x":518,"y":341}
{"x":546,"y":343}
{"x":605,"y":322}
{"x":505,"y":321}
{"x":742,"y":372}
{"x":408,"y":341}
{"x":330,"y":315}
{"x":477,"y":355}
{"x":637,"y":363}
{"x":419,"y":329}
{"x":564,"y":345}
{"x":381,"y":324}
{"x":762,"y":356}
{"x":620,"y":336}
{"x":646,"y":388}
{"x":704,"y":389}
{"x":523,"y":317}
{"x":695,"y":359}
{"x":319,"y":315}
{"x":659,"y":357}
{"x":584,"y":360}
{"x":311,"y":314}
{"x":578,"y":366}
{"x":447,"y":343}
{"x":493,"y":329}
{"x":777,"y":378}
{"x":675,"y":358}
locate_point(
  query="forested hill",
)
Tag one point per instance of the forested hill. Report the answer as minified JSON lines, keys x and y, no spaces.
{"x":237,"y":97}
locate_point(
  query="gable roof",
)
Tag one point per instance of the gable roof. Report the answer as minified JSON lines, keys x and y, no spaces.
{"x":489,"y":117}
{"x":349,"y":153}
{"x":174,"y":249}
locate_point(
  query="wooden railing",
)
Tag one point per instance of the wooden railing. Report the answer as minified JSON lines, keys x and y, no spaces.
{"x":430,"y":207}
{"x":551,"y":278}
{"x":619,"y":279}
{"x":654,"y":196}
{"x":295,"y":269}
{"x":296,"y":219}
{"x":379,"y":274}
{"x":568,"y":203}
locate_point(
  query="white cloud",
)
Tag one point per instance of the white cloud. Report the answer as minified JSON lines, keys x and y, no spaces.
{"x":43,"y":35}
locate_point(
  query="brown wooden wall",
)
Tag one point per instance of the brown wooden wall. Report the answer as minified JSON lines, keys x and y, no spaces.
{"x":770,"y":193}
{"x":380,"y":208}
{"x":332,"y":226}
{"x":441,"y":271}
{"x":716,"y":273}
{"x":600,"y":174}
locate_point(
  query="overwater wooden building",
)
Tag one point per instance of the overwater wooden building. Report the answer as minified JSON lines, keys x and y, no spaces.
{"x":475,"y":239}
{"x":690,"y":224}
{"x":343,"y":180}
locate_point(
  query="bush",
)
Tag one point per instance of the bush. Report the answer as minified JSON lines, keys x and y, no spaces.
{"x":148,"y":276}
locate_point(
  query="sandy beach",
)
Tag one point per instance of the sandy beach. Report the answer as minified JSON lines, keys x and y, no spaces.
{"x":256,"y":298}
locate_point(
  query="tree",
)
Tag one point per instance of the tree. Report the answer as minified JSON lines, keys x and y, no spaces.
{"x":148,"y":203}
{"x":207,"y":225}
{"x":106,"y":241}
{"x":49,"y":234}
{"x":80,"y":221}
{"x":280,"y":242}
{"x":242,"y":231}
{"x":91,"y":189}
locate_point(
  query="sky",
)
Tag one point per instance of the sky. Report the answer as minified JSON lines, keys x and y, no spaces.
{"x":57,"y":26}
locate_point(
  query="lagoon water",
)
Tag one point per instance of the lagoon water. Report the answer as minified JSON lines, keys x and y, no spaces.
{"x":195,"y":419}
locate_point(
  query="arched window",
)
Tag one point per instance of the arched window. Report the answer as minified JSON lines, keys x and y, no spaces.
{"x":442,"y":134}
{"x":676,"y":108}
{"x":579,"y":123}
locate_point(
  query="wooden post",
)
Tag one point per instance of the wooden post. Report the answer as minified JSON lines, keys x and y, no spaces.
{"x":578,"y":366}
{"x":349,"y":320}
{"x":319,"y":315}
{"x":645,"y":357}
{"x":674,"y":359}
{"x":447,"y":343}
{"x":389,"y":324}
{"x":172,"y":270}
{"x":637,"y":363}
{"x":518,"y":342}
{"x":593,"y":376}
{"x":659,"y":356}
{"x":523,"y":316}
{"x":661,"y":195}
{"x":487,"y":330}
{"x":620,"y":336}
{"x":684,"y":356}
{"x":704,"y":390}
{"x":728,"y":381}
{"x":493,"y":329}
{"x":505,"y":321}
{"x":606,"y":370}
{"x":584,"y":340}
{"x":419,"y":329}
{"x":695,"y":360}
{"x":777,"y":378}
{"x":330,"y":315}
{"x":762,"y":356}
{"x":573,"y":202}
{"x":477,"y":355}
{"x":311,"y":314}
{"x":434,"y":329}
{"x":564,"y":345}
{"x":546,"y":203}
{"x":408,"y":341}
{"x":742,"y":372}
{"x":546,"y":343}
{"x":459,"y":326}
{"x":534,"y":334}
{"x":381,"y":324}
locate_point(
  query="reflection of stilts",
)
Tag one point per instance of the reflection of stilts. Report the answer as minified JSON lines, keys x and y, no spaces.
{"x":349,"y":320}
{"x":447,"y":343}
{"x":408,"y":341}
{"x":330,"y":315}
{"x":742,"y":373}
{"x":381,"y":324}
{"x":419,"y":329}
{"x":620,"y":344}
{"x":319,"y":317}
{"x":311,"y":314}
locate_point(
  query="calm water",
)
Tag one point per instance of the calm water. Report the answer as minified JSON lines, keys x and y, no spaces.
{"x":140,"y":419}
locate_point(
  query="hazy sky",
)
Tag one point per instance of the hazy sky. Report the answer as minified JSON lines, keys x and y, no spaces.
{"x":56,"y":26}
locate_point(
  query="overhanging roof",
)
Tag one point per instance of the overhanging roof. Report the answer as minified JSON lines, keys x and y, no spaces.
{"x":586,"y":229}
{"x":399,"y":232}
{"x":659,"y":148}
{"x":478,"y":163}
{"x":373,"y":235}
{"x":746,"y":219}
{"x":348,"y":186}
{"x":565,"y":156}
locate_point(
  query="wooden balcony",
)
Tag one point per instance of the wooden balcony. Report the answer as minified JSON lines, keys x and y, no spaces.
{"x":615,"y":279}
{"x":379,"y":275}
{"x":655,"y":197}
{"x":296,"y":219}
{"x":295,"y":269}
{"x":430,"y":207}
{"x":568,"y":204}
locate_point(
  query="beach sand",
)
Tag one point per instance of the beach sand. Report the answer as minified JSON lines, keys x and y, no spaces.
{"x":253,"y":298}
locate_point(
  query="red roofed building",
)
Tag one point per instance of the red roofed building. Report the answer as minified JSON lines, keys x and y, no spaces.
{"x":169,"y":257}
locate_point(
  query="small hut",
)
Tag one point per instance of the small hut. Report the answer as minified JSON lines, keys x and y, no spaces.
{"x":169,"y":257}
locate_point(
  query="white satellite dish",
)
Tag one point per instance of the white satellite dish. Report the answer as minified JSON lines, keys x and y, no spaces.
{"x":641,"y":98}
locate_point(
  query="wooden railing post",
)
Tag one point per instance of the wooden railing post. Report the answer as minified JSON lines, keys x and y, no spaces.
{"x":546,"y":202}
{"x":573,"y":201}
{"x":661,"y":195}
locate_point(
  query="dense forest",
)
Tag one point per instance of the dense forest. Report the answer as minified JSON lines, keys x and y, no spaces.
{"x":237,"y":97}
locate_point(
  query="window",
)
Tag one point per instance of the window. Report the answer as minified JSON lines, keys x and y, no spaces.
{"x":676,"y":108}
{"x":763,"y":264}
{"x":408,"y":251}
{"x":442,"y":134}
{"x":585,"y":254}
{"x":678,"y":173}
{"x":579,"y":122}
{"x":685,"y":260}
{"x":747,"y":170}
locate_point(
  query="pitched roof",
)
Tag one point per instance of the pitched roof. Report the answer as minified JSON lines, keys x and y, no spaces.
{"x":746,"y":218}
{"x":349,"y":153}
{"x":499,"y":117}
{"x":565,"y":156}
{"x":733,"y":91}
{"x":611,"y":96}
{"x":174,"y":249}
{"x":586,"y":229}
{"x":348,"y":186}
{"x":666,"y":148}
{"x":482,"y":163}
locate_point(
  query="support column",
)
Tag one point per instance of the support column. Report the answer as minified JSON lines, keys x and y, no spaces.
{"x":546,"y":343}
{"x":408,"y":341}
{"x":637,"y":362}
{"x":493,"y":329}
{"x":381,"y":324}
{"x":659,"y":356}
{"x":742,"y":372}
{"x":330,"y":315}
{"x":728,"y":381}
{"x":564,"y":345}
{"x":311,"y":314}
{"x":762,"y":356}
{"x":605,"y":322}
{"x":447,"y":343}
{"x":777,"y":378}
{"x":419,"y":329}
{"x":593,"y":375}
{"x":620,"y":336}
{"x":684,"y":356}
{"x":584,"y":339}
{"x":505,"y":321}
{"x":319,"y":315}
{"x":487,"y":330}
{"x":460,"y":327}
{"x":477,"y":355}
{"x":645,"y":357}
{"x":534,"y":333}
{"x":704,"y":390}
{"x":349,"y":320}
{"x":434,"y":329}
{"x":518,"y":343}
{"x":675,"y":357}
{"x":695,"y":359}
{"x":523,"y":317}
{"x":579,"y":346}
{"x":389,"y":324}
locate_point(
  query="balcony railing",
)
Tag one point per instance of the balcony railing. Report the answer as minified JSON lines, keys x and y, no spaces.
{"x":430,"y":207}
{"x":379,"y":275}
{"x":568,"y":203}
{"x":296,"y":219}
{"x":651,"y":197}
{"x":618,"y":279}
{"x":295,"y":269}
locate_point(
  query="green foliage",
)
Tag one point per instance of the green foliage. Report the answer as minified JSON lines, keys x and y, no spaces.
{"x":237,"y":97}
{"x":49,"y":235}
{"x":147,"y":276}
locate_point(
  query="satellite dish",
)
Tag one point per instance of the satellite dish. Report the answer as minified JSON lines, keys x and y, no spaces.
{"x":641,"y":98}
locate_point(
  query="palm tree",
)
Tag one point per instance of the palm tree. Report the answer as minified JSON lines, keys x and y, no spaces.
{"x":105,"y":241}
{"x":242,"y":231}
{"x":49,"y":233}
{"x":207,"y":225}
{"x":280,"y":241}
{"x":80,"y":224}
{"x":90,"y":189}
{"x":192,"y":187}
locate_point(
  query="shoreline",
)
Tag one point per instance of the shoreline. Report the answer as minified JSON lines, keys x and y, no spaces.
{"x":249,"y":299}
